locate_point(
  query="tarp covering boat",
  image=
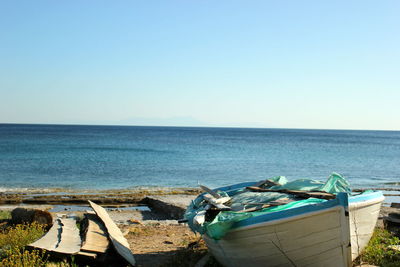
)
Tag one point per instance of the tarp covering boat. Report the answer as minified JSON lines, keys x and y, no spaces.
{"x":244,"y":203}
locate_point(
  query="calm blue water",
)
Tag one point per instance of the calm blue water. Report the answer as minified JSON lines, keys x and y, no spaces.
{"x":105,"y":157}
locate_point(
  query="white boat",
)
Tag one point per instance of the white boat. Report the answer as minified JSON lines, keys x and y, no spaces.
{"x":364,"y":212}
{"x":330,"y":233}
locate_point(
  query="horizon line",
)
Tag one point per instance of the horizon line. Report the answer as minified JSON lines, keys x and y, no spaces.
{"x":179,"y":126}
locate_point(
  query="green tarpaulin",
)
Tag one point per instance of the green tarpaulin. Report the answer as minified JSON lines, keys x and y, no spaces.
{"x":244,"y":199}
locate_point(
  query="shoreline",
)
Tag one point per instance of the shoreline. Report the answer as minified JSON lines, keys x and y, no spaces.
{"x":134,"y":196}
{"x":73,"y":197}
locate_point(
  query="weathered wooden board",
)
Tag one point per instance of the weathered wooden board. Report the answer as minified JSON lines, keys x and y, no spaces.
{"x":63,"y":237}
{"x":120,"y":243}
{"x":51,"y":239}
{"x":210,"y":191}
{"x":70,"y":242}
{"x":298,"y":193}
{"x":88,"y":254}
{"x":96,"y":237}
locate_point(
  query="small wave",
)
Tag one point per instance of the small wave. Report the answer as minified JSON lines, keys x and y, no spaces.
{"x":30,"y":190}
{"x":127,"y":149}
{"x":392,"y":183}
{"x":12,"y":189}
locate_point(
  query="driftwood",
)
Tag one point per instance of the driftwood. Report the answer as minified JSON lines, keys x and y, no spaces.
{"x":63,"y":237}
{"x":96,"y":237}
{"x":51,"y":239}
{"x":297,"y":193}
{"x":210,"y":191}
{"x":98,"y":231}
{"x":70,"y":242}
{"x":119,"y":242}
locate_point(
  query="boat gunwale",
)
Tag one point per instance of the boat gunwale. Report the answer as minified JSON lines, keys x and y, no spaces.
{"x":366,"y":198}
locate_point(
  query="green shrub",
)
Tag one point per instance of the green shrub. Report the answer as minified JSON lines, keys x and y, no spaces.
{"x":17,"y":237}
{"x":5,"y":215}
{"x":12,"y":243}
{"x":24,"y":258}
{"x":378,"y":251}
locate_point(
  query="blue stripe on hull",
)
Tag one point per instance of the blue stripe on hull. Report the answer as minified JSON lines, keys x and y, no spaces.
{"x":365,"y":197}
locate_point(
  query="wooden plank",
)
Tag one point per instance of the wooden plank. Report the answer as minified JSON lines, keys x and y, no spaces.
{"x":303,"y":194}
{"x":51,"y":239}
{"x":210,"y":191}
{"x":121,"y":245}
{"x":63,"y":237}
{"x":70,"y":242}
{"x":87,"y":254}
{"x":96,"y":237}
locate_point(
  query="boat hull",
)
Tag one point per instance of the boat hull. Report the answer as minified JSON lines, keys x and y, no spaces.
{"x":364,"y":212}
{"x":313,"y":238}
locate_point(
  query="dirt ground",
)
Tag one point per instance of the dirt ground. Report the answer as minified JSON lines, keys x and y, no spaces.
{"x":155,"y":239}
{"x":164,"y":245}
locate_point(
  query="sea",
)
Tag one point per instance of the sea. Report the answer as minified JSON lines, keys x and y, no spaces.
{"x":123,"y":157}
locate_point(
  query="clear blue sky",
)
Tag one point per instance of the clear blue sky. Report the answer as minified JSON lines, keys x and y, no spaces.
{"x":287,"y":64}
